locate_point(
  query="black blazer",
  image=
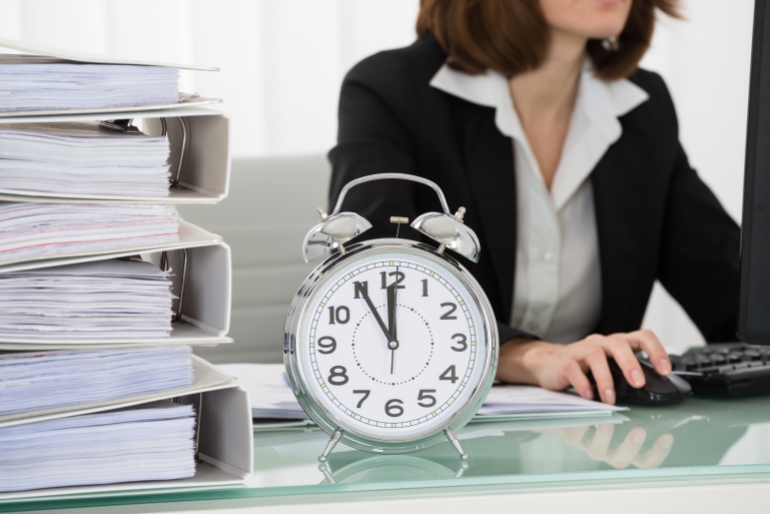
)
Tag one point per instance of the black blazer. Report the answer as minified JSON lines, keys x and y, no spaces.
{"x":655,"y":218}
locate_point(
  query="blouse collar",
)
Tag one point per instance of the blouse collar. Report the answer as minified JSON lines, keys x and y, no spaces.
{"x":594,"y":125}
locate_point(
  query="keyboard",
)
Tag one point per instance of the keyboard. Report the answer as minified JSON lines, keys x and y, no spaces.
{"x":739,"y":370}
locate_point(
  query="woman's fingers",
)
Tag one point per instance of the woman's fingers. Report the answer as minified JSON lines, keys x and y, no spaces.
{"x":597,"y":361}
{"x":655,"y":456}
{"x":578,"y":379}
{"x":649,"y":342}
{"x":628,"y":449}
{"x":599,"y":446}
{"x":573,"y":436}
{"x":621,"y":350}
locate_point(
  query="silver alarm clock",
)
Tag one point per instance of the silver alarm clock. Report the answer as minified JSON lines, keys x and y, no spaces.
{"x":390,"y":345}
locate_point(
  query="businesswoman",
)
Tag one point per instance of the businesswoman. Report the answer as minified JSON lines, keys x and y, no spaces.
{"x":533,"y":115}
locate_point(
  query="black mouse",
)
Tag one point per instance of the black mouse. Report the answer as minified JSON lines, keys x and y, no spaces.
{"x":657,"y":389}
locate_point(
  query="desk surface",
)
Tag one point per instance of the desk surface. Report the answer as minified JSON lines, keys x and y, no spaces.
{"x":706,"y":439}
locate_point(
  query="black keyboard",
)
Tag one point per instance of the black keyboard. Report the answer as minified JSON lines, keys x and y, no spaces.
{"x":739,"y":370}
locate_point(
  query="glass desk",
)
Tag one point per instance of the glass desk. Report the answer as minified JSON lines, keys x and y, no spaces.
{"x":718,"y":441}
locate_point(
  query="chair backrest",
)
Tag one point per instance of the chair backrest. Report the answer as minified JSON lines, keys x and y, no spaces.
{"x":271,"y":206}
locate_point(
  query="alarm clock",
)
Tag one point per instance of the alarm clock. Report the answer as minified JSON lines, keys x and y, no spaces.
{"x":390,"y":345}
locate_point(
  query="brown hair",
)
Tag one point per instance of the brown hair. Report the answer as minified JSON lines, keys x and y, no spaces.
{"x":512,"y":36}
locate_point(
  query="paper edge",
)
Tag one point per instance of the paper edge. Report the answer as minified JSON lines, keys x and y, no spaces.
{"x":90,"y":57}
{"x":224,"y":381}
{"x":190,"y":236}
{"x":115,"y":112}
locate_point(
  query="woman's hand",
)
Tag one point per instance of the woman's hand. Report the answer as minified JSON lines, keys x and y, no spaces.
{"x":597,"y":445}
{"x":556,"y":366}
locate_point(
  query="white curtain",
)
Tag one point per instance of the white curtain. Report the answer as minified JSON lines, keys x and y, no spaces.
{"x":282,"y":62}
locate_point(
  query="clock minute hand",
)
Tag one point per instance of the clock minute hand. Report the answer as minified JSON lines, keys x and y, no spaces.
{"x":392,"y":296}
{"x":393,"y":343}
{"x":376,"y":314}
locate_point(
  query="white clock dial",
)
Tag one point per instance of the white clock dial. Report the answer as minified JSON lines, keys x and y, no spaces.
{"x":392,"y":345}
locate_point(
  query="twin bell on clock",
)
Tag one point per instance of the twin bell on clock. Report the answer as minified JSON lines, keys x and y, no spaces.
{"x":390,"y":345}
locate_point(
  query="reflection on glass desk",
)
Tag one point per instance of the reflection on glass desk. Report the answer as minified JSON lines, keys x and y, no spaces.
{"x":701,"y":437}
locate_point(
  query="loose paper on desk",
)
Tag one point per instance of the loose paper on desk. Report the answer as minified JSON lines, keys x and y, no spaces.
{"x":269,"y":391}
{"x":521,"y":399}
{"x":272,"y":398}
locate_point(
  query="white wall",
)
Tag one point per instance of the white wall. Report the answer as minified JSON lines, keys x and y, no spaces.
{"x":705,"y":60}
{"x":283,"y":61}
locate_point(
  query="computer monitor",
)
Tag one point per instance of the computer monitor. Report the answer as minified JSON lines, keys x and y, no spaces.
{"x":754,"y":309}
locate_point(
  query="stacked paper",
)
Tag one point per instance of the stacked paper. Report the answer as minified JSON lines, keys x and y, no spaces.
{"x":30,"y":231}
{"x":32,"y":82}
{"x":82,"y":158}
{"x":271,"y":397}
{"x":520,"y":399}
{"x":151,"y":442}
{"x":114,"y":299}
{"x":42,"y":381}
{"x":82,"y":410}
{"x":269,"y":391}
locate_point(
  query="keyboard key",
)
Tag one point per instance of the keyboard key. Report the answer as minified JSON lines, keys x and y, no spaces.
{"x":752,"y":355}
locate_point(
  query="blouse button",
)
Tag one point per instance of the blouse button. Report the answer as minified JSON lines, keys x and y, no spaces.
{"x":546,"y":255}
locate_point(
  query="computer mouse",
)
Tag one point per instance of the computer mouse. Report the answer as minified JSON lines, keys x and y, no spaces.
{"x":657,"y":390}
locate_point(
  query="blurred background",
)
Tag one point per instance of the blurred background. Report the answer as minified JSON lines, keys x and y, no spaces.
{"x":282,"y":63}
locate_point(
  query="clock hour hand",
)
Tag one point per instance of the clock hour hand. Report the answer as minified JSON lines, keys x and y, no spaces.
{"x":376,"y":315}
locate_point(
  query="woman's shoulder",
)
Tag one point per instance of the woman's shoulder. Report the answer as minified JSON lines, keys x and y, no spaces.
{"x":393,"y":69}
{"x":659,"y":106}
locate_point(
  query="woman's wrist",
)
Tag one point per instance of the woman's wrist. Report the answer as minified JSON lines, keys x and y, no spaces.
{"x":520,"y":360}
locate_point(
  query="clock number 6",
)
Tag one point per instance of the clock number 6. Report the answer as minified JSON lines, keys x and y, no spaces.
{"x":394,"y":408}
{"x":424,"y":396}
{"x":338,"y":376}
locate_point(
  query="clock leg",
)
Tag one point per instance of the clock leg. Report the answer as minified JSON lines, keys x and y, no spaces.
{"x":324,"y":468}
{"x":456,"y":443}
{"x":330,"y":445}
{"x":463,"y":468}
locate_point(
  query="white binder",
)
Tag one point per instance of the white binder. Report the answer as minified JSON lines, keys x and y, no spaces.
{"x":225,"y":445}
{"x":190,"y":236}
{"x":88,"y":57}
{"x":200,"y":155}
{"x":203,"y":276}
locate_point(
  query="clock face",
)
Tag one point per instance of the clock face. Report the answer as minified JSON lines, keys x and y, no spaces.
{"x":392,"y":344}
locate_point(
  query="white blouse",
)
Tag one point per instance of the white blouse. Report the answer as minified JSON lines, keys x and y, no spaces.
{"x":557,"y":289}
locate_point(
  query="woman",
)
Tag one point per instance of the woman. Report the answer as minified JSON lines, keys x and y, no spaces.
{"x":533,"y":115}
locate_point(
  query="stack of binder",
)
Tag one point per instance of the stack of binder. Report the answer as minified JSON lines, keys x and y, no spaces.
{"x":105,"y":291}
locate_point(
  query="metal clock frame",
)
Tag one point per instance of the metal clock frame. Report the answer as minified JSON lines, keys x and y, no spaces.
{"x":337,"y":425}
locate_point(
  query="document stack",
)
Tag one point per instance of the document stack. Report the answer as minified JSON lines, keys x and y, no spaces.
{"x":104,"y":290}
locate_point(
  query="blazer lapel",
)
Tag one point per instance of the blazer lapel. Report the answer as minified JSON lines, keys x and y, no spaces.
{"x":489,"y":164}
{"x":620,"y":195}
